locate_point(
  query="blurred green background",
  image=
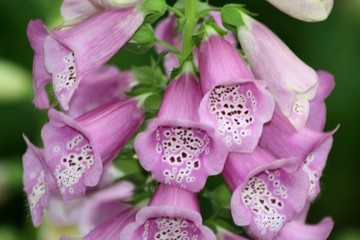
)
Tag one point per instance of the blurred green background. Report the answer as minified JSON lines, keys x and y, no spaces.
{"x":332,"y":45}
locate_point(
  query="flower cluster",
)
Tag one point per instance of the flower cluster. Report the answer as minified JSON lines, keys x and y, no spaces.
{"x":257,"y":118}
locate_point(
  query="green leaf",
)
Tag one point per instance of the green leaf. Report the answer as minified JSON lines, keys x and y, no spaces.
{"x":145,"y":34}
{"x":143,"y":40}
{"x":206,"y":29}
{"x":231,"y":17}
{"x":153,"y":9}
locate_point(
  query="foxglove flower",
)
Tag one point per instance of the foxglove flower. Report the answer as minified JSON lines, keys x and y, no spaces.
{"x":266,"y":192}
{"x":176,"y":147}
{"x":77,"y":149}
{"x":320,"y":231}
{"x":37,"y":183}
{"x":291,"y":81}
{"x":235,"y":104}
{"x":65,"y":57}
{"x":172,"y":213}
{"x":111,"y":229}
{"x":306,"y":10}
{"x":105,"y":85}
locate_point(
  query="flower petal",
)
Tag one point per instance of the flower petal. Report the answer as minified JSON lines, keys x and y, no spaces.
{"x":220,"y":62}
{"x":317,"y":114}
{"x":111,"y":229}
{"x":306,"y":10}
{"x":37,"y":33}
{"x":320,"y":231}
{"x":281,"y":139}
{"x":314,"y":166}
{"x":38,"y":182}
{"x":105,"y":85}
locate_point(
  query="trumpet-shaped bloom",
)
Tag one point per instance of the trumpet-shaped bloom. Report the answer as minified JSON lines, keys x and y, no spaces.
{"x":306,"y":10}
{"x":172,"y":213}
{"x":266,"y":192}
{"x":69,"y":55}
{"x":105,"y":85}
{"x":234,"y":104}
{"x":77,"y":149}
{"x":38,"y":184}
{"x":291,"y":81}
{"x":176,"y":148}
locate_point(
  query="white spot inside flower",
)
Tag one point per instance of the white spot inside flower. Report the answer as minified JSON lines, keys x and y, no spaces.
{"x":182,"y":149}
{"x":37,"y":191}
{"x":265,"y":206}
{"x":170,"y":228}
{"x":299,"y":106}
{"x":56,"y":149}
{"x":74,"y":164}
{"x":233,"y":110}
{"x":313,"y":175}
{"x":67,"y":77}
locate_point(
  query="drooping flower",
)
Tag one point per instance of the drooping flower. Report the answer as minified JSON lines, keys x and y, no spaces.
{"x":176,"y":147}
{"x":291,"y":230}
{"x":306,"y":10}
{"x":291,"y":81}
{"x":37,"y":182}
{"x":235,"y":104}
{"x":267,"y":192}
{"x":172,"y":213}
{"x":105,"y":85}
{"x":77,"y":149}
{"x":65,"y":57}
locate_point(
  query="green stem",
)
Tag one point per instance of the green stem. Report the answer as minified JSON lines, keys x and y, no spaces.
{"x":190,"y":18}
{"x":175,"y":11}
{"x":168,"y":45}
